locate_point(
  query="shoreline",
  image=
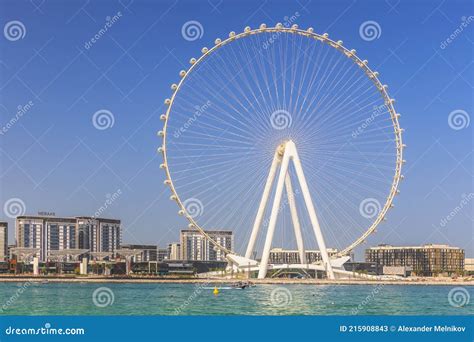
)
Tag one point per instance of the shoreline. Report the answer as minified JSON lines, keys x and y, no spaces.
{"x":280,"y":281}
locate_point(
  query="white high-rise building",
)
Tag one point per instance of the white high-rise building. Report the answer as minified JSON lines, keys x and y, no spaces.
{"x":194,"y":246}
{"x":51,"y":233}
{"x":48,"y":233}
{"x":3,"y":241}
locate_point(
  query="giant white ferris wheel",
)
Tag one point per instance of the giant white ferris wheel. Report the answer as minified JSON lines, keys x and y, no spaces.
{"x":287,"y":138}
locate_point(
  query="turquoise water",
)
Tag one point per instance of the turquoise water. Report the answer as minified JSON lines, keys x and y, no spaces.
{"x":194,"y":299}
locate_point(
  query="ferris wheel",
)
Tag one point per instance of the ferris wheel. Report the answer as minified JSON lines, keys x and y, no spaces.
{"x":282,"y":110}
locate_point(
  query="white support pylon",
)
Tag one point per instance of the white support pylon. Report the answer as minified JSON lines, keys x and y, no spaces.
{"x":283,"y":155}
{"x":294,"y":218}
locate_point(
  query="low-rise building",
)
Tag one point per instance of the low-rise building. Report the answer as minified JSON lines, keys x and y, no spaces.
{"x":287,"y":256}
{"x":469,"y":266}
{"x":148,"y":252}
{"x":427,"y":260}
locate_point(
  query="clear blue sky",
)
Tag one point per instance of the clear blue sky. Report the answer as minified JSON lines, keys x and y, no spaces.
{"x":54,"y":159}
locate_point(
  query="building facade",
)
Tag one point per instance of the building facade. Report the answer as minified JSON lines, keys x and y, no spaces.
{"x":286,"y":256}
{"x":148,"y":252}
{"x":427,"y":260}
{"x":3,"y":241}
{"x":98,"y":234}
{"x":48,"y":233}
{"x":51,"y":233}
{"x":194,"y":246}
{"x":174,"y":251}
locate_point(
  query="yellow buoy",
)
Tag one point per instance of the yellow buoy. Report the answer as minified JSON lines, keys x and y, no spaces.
{"x":216,"y":291}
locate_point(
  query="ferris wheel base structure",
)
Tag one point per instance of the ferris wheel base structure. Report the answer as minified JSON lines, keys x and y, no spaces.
{"x":285,"y":153}
{"x":239,"y":263}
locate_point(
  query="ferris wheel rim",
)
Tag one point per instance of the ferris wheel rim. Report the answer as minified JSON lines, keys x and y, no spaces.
{"x":338,"y":45}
